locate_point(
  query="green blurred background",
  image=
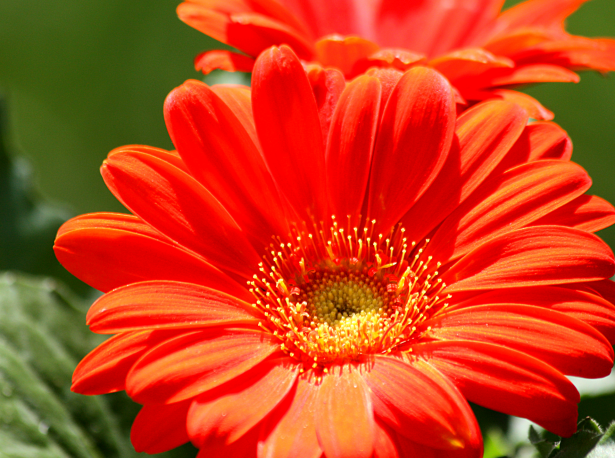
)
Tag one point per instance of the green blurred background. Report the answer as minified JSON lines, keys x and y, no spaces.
{"x":83,"y":77}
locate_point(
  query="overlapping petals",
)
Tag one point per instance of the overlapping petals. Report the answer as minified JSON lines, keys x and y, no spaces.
{"x":518,"y":284}
{"x":481,"y":50}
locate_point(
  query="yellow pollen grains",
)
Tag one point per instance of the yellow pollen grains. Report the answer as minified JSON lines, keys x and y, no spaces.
{"x":338,"y":294}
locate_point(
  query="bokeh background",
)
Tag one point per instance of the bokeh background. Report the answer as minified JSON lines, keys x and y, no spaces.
{"x":79,"y":78}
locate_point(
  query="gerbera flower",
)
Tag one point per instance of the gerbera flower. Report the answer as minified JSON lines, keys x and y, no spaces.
{"x":336,"y":275}
{"x":481,"y":50}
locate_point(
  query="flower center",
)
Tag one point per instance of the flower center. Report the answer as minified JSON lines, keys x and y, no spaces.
{"x":332,"y":297}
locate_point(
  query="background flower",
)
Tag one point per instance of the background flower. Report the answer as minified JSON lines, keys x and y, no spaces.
{"x":479,"y":49}
{"x":500,"y":202}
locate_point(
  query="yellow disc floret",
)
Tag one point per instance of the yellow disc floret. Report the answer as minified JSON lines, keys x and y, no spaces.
{"x":340,"y":296}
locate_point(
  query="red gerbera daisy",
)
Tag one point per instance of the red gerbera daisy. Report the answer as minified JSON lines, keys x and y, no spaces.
{"x":482,"y":51}
{"x":336,"y":275}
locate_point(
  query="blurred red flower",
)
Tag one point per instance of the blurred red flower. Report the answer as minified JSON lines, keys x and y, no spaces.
{"x":253,"y":317}
{"x":481,"y":50}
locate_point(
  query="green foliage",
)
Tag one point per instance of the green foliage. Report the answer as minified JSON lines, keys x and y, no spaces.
{"x":42,"y":338}
{"x":590,"y":441}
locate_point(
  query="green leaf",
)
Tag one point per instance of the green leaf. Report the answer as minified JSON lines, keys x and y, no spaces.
{"x":42,"y":337}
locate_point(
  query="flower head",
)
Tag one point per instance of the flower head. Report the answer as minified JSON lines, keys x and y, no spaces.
{"x":482,"y":51}
{"x":332,"y":268}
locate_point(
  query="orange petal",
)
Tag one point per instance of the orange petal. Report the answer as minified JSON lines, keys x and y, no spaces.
{"x":343,"y":52}
{"x":533,"y":256}
{"x":567,"y":344}
{"x":228,"y":61}
{"x":160,"y":427}
{"x":385,"y":444}
{"x":244,"y":447}
{"x":507,"y":202}
{"x":408,"y":448}
{"x":439,"y":417}
{"x":288,"y":127}
{"x":166,"y":305}
{"x":528,"y":74}
{"x":412,"y":143}
{"x":485,"y":133}
{"x":543,"y":13}
{"x":399,"y":59}
{"x":179,"y":207}
{"x":589,"y":308}
{"x":533,"y":107}
{"x":108,"y":250}
{"x":212,"y":140}
{"x":227,"y":413}
{"x":172,"y":157}
{"x":247,"y":31}
{"x":468,"y":63}
{"x":539,"y":140}
{"x":195,"y":362}
{"x":506,"y":380}
{"x":104,"y":369}
{"x":292,"y":428}
{"x":344,"y":416}
{"x":351,"y":143}
{"x":588,"y":213}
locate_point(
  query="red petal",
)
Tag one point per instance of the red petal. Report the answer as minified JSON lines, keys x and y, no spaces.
{"x":344,"y":416}
{"x":239,"y":100}
{"x":288,"y":127}
{"x":244,"y":447}
{"x":485,"y":133}
{"x":108,"y":250}
{"x":172,"y":157}
{"x":408,"y":448}
{"x":351,"y":143}
{"x":567,"y":344}
{"x":400,"y":59}
{"x":439,"y":417}
{"x":467,"y":63}
{"x":533,"y":107}
{"x":540,"y":140}
{"x":328,"y":85}
{"x":506,"y":380}
{"x":507,"y":202}
{"x":160,"y":427}
{"x":537,"y":13}
{"x":104,"y":369}
{"x":179,"y":207}
{"x":228,"y":61}
{"x":227,"y":413}
{"x":212,"y":141}
{"x":292,"y":426}
{"x":528,"y":74}
{"x":385,"y":445}
{"x":589,"y":308}
{"x":588,"y":213}
{"x":412,"y":144}
{"x":544,"y":255}
{"x":166,"y":305}
{"x":196,"y":362}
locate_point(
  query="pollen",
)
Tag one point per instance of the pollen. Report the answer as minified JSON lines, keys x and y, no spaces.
{"x":336,"y":294}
